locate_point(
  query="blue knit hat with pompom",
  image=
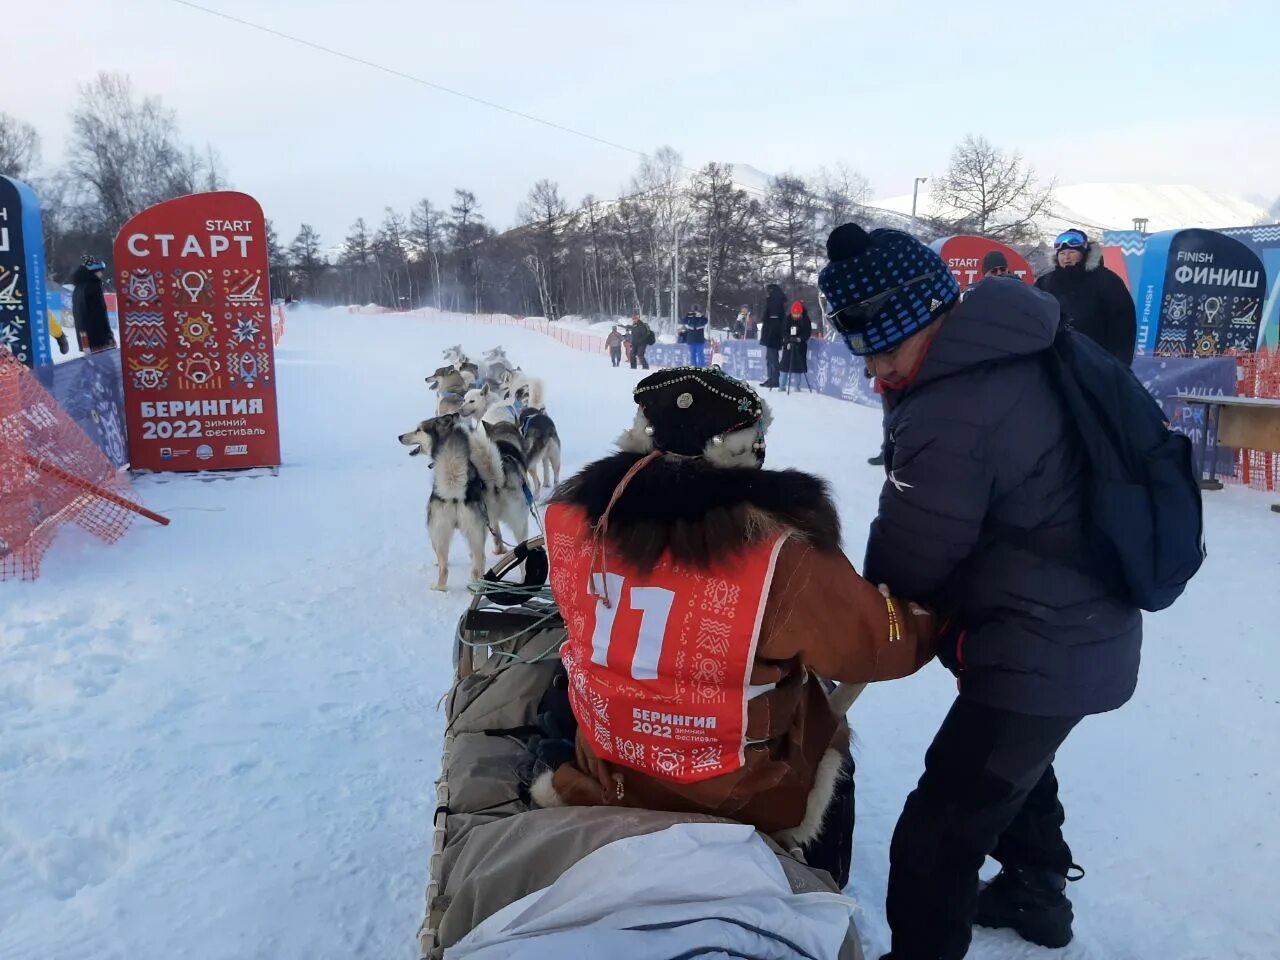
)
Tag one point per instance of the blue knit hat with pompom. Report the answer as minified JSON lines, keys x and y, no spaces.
{"x":865,"y":266}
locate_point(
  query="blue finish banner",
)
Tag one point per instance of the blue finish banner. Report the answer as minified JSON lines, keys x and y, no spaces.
{"x":24,"y":323}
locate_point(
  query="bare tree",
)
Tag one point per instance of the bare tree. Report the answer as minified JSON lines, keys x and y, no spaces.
{"x":277,"y":263}
{"x":467,"y":231}
{"x":544,"y":212}
{"x":841,"y":194}
{"x":659,"y":193}
{"x":19,"y":147}
{"x":788,"y":218}
{"x":390,"y":250}
{"x":357,"y":257}
{"x":426,"y":236}
{"x":306,"y":255}
{"x":593,"y":224}
{"x":124,"y":150}
{"x":629,"y":228}
{"x":990,"y":192}
{"x":724,"y":219}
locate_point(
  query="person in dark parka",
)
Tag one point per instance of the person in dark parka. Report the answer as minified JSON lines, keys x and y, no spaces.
{"x":1094,"y":299}
{"x":773,"y":319}
{"x":795,"y":349}
{"x":89,"y":306}
{"x":977,"y":440}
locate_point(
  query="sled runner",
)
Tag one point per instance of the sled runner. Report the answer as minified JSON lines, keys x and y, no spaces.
{"x":510,"y":879}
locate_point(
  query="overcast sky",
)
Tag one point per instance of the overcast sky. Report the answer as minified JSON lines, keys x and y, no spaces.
{"x":1161,"y":92}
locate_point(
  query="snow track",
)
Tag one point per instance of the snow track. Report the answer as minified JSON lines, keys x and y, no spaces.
{"x":218,"y":740}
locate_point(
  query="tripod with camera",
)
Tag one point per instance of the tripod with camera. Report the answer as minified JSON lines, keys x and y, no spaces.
{"x":794,"y":362}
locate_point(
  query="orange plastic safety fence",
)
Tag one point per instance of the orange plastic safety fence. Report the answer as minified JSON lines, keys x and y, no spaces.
{"x":277,"y":324}
{"x":1258,"y":375}
{"x":39,"y":442}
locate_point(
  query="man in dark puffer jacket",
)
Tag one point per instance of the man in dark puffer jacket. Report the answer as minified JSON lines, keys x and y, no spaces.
{"x":89,"y":306}
{"x":977,"y":440}
{"x":1093,"y":298}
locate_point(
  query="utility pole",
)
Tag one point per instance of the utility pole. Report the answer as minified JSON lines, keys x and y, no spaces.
{"x":915,"y":195}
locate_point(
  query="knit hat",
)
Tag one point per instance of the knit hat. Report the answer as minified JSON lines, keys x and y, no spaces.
{"x":882,"y":287}
{"x":994,"y":260}
{"x":90,"y":262}
{"x":797,"y":308}
{"x":695,"y":412}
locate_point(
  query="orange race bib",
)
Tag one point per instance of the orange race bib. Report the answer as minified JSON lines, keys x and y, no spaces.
{"x":659,"y":678}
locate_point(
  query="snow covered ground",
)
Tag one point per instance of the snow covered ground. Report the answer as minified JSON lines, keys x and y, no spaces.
{"x":218,"y":739}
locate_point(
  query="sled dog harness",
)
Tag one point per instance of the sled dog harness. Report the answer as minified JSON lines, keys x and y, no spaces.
{"x":659,"y":662}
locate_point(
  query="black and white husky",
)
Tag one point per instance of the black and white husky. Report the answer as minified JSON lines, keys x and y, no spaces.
{"x":507,"y":502}
{"x":542,"y":447}
{"x":468,"y":488}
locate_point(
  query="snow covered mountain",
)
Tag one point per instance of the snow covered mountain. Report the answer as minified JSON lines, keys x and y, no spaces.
{"x":1114,"y":206}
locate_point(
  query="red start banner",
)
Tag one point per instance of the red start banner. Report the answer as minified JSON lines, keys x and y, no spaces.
{"x":964,"y":255}
{"x":195,"y":329}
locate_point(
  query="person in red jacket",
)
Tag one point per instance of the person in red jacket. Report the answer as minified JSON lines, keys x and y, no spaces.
{"x":704,"y":598}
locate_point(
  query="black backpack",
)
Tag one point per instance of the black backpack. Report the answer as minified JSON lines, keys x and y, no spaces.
{"x":1147,"y":521}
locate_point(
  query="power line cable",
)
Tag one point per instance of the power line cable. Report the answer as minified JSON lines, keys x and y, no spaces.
{"x":422,"y":81}
{"x":432,"y":85}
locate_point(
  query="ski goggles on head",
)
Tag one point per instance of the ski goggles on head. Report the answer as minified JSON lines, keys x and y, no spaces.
{"x":1071,"y":240}
{"x":857,"y":316}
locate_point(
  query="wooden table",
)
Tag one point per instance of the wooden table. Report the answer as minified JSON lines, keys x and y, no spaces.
{"x":1251,"y":423}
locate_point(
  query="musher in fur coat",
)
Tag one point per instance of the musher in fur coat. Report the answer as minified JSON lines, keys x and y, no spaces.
{"x":704,"y":598}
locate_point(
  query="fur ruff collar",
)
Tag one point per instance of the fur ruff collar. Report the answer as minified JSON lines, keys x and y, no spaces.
{"x":698,"y":512}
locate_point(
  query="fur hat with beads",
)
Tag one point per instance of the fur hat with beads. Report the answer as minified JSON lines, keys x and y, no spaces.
{"x":695,"y":412}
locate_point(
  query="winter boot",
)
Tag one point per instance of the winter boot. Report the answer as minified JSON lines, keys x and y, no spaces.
{"x":1030,"y":902}
{"x":877,"y":460}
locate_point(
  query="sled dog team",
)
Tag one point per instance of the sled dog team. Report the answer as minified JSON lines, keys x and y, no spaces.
{"x":492,"y":448}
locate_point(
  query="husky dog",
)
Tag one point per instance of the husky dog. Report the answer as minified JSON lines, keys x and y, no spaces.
{"x":522,"y":390}
{"x":542,"y":447}
{"x":507,"y":503}
{"x":470,"y":372}
{"x":458,"y":494}
{"x":451,"y":387}
{"x":496,"y":366}
{"x":484,"y":406}
{"x":455,"y":356}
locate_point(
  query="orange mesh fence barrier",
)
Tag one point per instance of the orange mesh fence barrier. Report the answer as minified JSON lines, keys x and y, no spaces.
{"x":1258,"y":375}
{"x":574,"y":339}
{"x":51,"y":474}
{"x":277,"y":324}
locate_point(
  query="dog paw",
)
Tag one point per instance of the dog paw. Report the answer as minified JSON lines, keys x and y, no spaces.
{"x":439,"y":588}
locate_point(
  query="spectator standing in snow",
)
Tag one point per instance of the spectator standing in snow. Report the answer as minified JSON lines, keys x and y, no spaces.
{"x":89,"y":306}
{"x":772,"y":322}
{"x":744,"y":327}
{"x":1093,"y":299}
{"x":614,"y":344}
{"x":995,"y":264}
{"x":795,"y":347}
{"x":979,"y":442}
{"x":641,"y":339}
{"x":694,"y":328}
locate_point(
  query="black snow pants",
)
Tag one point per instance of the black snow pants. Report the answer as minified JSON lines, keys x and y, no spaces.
{"x":772,"y":364}
{"x":988,"y":789}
